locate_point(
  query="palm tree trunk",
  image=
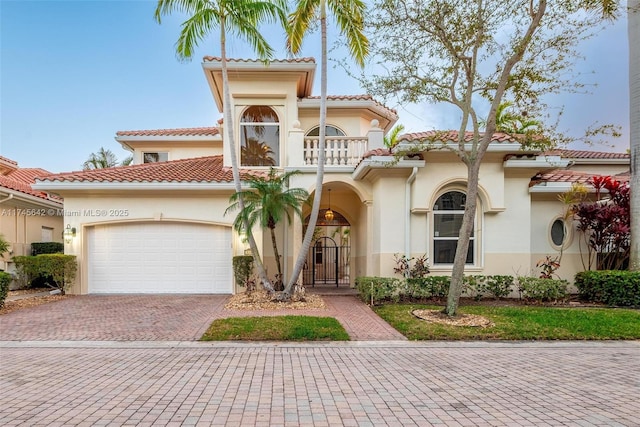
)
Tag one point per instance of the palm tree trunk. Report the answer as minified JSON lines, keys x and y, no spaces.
{"x":633,"y":13}
{"x":228,"y":124}
{"x":277,"y":255}
{"x":315,"y":208}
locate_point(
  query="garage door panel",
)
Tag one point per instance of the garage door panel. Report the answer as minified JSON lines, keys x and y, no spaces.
{"x":159,"y":258}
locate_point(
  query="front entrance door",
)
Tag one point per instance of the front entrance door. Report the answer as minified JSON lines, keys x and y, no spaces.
{"x":327,"y":263}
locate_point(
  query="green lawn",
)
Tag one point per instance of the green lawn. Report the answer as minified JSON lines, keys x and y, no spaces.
{"x":276,"y":328}
{"x":519,"y":323}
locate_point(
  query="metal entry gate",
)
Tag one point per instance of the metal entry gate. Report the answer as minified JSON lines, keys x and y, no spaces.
{"x":327,"y":263}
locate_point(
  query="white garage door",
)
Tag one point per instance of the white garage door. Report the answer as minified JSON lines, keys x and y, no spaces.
{"x":159,"y":258}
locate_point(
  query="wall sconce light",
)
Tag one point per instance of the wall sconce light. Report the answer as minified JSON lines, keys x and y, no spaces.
{"x":69,"y":233}
{"x":328,"y":215}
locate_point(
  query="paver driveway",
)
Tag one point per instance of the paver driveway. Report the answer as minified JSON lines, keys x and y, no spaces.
{"x":164,"y":317}
{"x":320,"y":384}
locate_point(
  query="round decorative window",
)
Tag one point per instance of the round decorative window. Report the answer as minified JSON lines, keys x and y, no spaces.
{"x":558,"y":232}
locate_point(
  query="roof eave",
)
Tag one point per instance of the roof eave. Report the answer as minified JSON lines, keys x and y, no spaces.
{"x":383,"y":162}
{"x":136,"y":185}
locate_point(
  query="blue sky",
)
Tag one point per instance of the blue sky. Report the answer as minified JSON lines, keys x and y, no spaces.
{"x":73,"y":73}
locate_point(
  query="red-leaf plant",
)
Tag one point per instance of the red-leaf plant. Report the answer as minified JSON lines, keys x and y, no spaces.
{"x":605,"y":224}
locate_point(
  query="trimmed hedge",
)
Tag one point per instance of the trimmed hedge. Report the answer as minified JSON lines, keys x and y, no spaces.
{"x":39,"y":248}
{"x":611,"y":287}
{"x":539,"y":289}
{"x":375,"y":289}
{"x":378,"y":289}
{"x":5,"y":280}
{"x":57,"y":268}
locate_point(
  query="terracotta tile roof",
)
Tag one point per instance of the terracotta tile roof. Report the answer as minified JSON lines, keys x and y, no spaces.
{"x":354,"y":98}
{"x":21,"y":180}
{"x":282,"y":61}
{"x":7,"y":160}
{"x":451,"y":136}
{"x":377,"y":152}
{"x":202,"y":131}
{"x":563,"y":175}
{"x":585,"y":154}
{"x":201,"y":169}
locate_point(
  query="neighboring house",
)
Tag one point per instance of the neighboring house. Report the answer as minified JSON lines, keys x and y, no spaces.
{"x":159,"y":226}
{"x":26,"y":215}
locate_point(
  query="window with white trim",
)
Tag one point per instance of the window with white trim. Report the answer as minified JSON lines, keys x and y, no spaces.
{"x":154,"y":157}
{"x":259,"y":137}
{"x":448,"y":212}
{"x":559,"y":233}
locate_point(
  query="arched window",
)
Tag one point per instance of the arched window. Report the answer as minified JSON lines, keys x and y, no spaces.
{"x":259,"y":137}
{"x":328,"y":129}
{"x":447,"y":220}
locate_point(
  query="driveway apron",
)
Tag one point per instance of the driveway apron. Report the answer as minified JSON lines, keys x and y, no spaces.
{"x":165,"y":317}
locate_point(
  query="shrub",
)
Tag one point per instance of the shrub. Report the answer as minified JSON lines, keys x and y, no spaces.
{"x":427,"y":287}
{"x":621,"y":288}
{"x":47,"y":248}
{"x":58,"y":268}
{"x":496,"y":286}
{"x":499,"y":286}
{"x":5,"y":280}
{"x":420,"y":267}
{"x":540,"y":289}
{"x":376,"y":289}
{"x":242,"y":269}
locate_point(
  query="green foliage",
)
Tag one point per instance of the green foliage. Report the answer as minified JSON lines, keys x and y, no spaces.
{"x":5,"y":280}
{"x":421,"y":288}
{"x":497,"y":286}
{"x":377,"y":289}
{"x":541,"y":289}
{"x":427,"y":287}
{"x":518,"y":323}
{"x":59,"y":268}
{"x":611,"y":287}
{"x":266,"y":203}
{"x":4,"y":245}
{"x":276,"y":328}
{"x":47,"y":248}
{"x":242,"y":269}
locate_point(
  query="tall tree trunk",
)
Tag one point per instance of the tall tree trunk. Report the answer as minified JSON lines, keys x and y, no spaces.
{"x":228,"y":124}
{"x":633,"y":13}
{"x":464,"y":237}
{"x":274,"y":243}
{"x":315,"y":208}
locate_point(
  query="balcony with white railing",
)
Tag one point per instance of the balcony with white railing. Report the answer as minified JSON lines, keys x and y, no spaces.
{"x":342,"y":153}
{"x":339,"y":150}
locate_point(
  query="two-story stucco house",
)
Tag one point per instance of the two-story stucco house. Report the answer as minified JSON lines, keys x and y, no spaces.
{"x":159,"y":225}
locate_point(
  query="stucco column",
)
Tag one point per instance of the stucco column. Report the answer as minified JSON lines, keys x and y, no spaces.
{"x":295,"y":146}
{"x":375,"y":136}
{"x":370,"y":268}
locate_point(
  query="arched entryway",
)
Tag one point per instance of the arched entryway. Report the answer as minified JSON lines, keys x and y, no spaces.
{"x":328,"y":260}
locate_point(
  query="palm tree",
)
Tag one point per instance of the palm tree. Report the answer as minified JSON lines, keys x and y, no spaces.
{"x":267,"y":203}
{"x":349,"y":15}
{"x":633,"y":14}
{"x":508,"y":122}
{"x":104,"y":159}
{"x":391,"y":139}
{"x":240,"y":17}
